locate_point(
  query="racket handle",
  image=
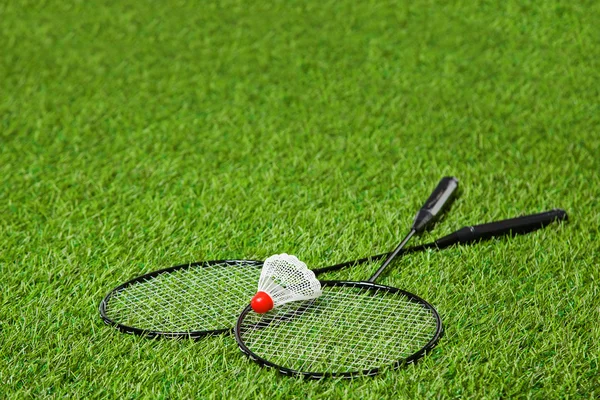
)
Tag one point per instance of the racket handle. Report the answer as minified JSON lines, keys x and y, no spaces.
{"x":513,"y":226}
{"x":435,"y":203}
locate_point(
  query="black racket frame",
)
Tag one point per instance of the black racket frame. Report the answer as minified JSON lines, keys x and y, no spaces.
{"x":170,"y":335}
{"x":439,"y":332}
{"x":204,"y":264}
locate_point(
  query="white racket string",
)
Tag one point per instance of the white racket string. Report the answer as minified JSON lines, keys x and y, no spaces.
{"x":347,"y":329}
{"x":185,"y":300}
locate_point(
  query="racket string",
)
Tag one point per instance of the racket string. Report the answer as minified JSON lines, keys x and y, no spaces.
{"x":174,"y":311}
{"x":350,"y":309}
{"x":150,"y":292}
{"x":185,"y":300}
{"x":304,"y":352}
{"x":413,"y":319}
{"x":343,"y":330}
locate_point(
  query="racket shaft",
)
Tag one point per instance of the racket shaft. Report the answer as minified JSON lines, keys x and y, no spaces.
{"x":471,"y":234}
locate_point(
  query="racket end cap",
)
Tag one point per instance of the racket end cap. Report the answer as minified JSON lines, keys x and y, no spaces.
{"x":261,"y":302}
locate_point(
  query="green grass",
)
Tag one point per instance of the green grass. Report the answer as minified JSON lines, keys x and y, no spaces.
{"x":136,"y":135}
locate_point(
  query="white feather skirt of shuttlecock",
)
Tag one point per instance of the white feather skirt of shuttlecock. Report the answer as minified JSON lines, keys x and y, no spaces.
{"x":285,"y":279}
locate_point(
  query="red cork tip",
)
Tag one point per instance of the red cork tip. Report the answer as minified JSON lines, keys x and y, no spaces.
{"x":261,"y":302}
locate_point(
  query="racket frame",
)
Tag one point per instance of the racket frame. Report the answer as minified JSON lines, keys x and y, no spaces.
{"x":170,"y":335}
{"x":430,"y":345}
{"x":152,"y":334}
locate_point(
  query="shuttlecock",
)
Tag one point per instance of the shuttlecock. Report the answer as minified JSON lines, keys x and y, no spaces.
{"x":284,"y":278}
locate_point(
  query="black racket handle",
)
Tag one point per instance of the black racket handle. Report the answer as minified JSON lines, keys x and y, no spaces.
{"x":514,"y":226}
{"x":436,"y":202}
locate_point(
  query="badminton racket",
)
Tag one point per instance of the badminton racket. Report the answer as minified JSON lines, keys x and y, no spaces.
{"x":359,"y":328}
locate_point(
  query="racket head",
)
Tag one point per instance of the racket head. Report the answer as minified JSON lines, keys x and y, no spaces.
{"x":286,"y":338}
{"x":184,"y":301}
{"x":212,"y":292}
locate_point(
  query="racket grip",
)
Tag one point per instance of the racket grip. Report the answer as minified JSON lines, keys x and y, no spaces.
{"x":435,"y":203}
{"x":513,"y":226}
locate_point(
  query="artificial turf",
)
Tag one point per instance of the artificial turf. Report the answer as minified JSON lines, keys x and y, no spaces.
{"x":136,"y":135}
